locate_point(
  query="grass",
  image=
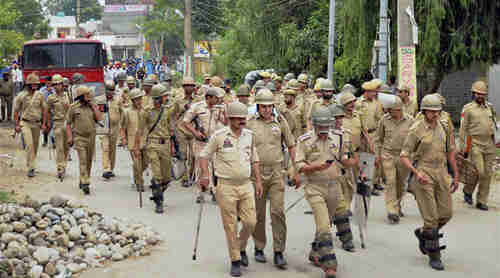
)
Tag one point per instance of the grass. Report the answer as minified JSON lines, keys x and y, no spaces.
{"x":5,"y":197}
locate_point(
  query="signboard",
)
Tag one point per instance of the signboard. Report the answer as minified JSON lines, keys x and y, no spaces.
{"x":125,"y":8}
{"x":128,"y":2}
{"x":201,"y":49}
{"x":408,"y":69}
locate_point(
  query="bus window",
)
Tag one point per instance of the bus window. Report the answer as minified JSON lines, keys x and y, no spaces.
{"x":43,"y":56}
{"x":83,"y":55}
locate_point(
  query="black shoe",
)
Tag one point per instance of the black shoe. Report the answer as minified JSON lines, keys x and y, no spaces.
{"x":159,"y":208}
{"x":482,"y":206}
{"x":279,"y":260}
{"x":112,"y":174}
{"x":436,"y":264}
{"x":259,"y":256}
{"x":186,"y":183}
{"x":199,"y":199}
{"x":244,"y":258}
{"x":393,"y":218}
{"x":375,"y":193}
{"x":85,"y":188}
{"x":31,"y":173}
{"x":348,"y":246}
{"x":235,"y":269}
{"x":468,"y":198}
{"x":139,"y":188}
{"x":106,"y":175}
{"x":421,"y":244}
{"x":308,"y":212}
{"x":44,"y":144}
{"x":213,"y":197}
{"x":378,"y":187}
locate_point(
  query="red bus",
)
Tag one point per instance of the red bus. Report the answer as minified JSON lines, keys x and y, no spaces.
{"x":66,"y":57}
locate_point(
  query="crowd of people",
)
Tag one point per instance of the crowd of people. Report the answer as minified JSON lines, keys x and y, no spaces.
{"x":243,"y":147}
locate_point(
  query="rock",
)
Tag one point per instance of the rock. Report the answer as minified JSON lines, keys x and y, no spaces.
{"x":57,"y":229}
{"x":145,"y":252}
{"x":79,"y":213}
{"x":36,"y":217}
{"x":63,"y":240}
{"x":6,"y":228}
{"x":42,"y":255}
{"x":50,"y":268}
{"x":66,"y":226}
{"x":74,"y":268}
{"x":28,"y":202}
{"x":36,"y":271}
{"x":58,"y":201}
{"x":42,"y":224}
{"x":103,"y":251}
{"x":53,"y":216}
{"x":44,"y":275}
{"x":7,"y":237}
{"x":19,"y":226}
{"x":29,"y":211}
{"x":75,"y":233}
{"x":19,"y":270}
{"x":117,"y":256}
{"x":77,"y":252}
{"x":44,"y":209}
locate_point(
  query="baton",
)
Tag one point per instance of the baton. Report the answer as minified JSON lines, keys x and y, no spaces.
{"x":140,"y":197}
{"x":202,"y":201}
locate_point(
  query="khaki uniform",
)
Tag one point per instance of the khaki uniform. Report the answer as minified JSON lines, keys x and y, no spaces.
{"x":58,"y":106}
{"x":184,"y":137}
{"x":200,"y":96}
{"x":131,"y":122}
{"x":271,"y":136}
{"x":7,"y":97}
{"x":479,"y":122}
{"x":321,"y":189}
{"x":82,"y":120}
{"x":295,"y":119}
{"x":429,"y":147}
{"x":235,"y":192}
{"x":230,"y":97}
{"x":30,"y":107}
{"x":122,"y":94}
{"x":410,"y":108}
{"x":108,"y":142}
{"x":209,"y":120}
{"x":147,"y":102}
{"x":390,"y":138}
{"x":352,"y":125}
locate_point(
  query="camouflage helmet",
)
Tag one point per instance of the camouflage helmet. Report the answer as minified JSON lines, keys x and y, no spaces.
{"x":441,"y":98}
{"x":65,"y":81}
{"x":110,"y":85}
{"x":188,"y":81}
{"x":302,"y":78}
{"x":82,"y":90}
{"x":220,"y":92}
{"x":216,"y":82}
{"x":259,"y":85}
{"x":265,"y":97}
{"x":479,"y":87}
{"x":336,"y":110}
{"x":289,"y":92}
{"x":32,"y":79}
{"x":326,"y":85}
{"x":293,"y":84}
{"x":121,"y":76}
{"x":135,"y":93}
{"x":148,"y":82}
{"x":321,"y":116}
{"x":77,"y":77}
{"x":243,"y":90}
{"x":346,"y":97}
{"x":237,"y":109}
{"x":289,"y":76}
{"x":431,"y":102}
{"x":271,"y":87}
{"x":159,"y":91}
{"x":130,"y":80}
{"x":349,"y":88}
{"x":57,"y":79}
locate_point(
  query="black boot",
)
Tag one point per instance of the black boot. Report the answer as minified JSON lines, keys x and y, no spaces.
{"x":433,"y":249}
{"x":259,"y":256}
{"x":393,"y":218}
{"x":157,"y":196}
{"x":482,"y":206}
{"x":343,"y":225}
{"x":468,"y":198}
{"x":279,"y":260}
{"x":421,"y":241}
{"x":85,"y":188}
{"x":236,"y":269}
{"x":244,"y":258}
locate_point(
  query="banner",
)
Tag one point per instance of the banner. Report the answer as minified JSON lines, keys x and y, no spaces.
{"x":125,"y":8}
{"x":408,"y":69}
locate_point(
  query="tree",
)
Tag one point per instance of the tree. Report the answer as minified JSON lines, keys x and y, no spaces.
{"x":89,"y":9}
{"x":11,"y":41}
{"x":31,"y":19}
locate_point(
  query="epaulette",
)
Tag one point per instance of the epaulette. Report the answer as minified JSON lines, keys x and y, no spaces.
{"x":468,"y":105}
{"x":221,"y":131}
{"x":305,"y":136}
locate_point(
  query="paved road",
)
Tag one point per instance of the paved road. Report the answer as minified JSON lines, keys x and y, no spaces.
{"x":472,"y":236}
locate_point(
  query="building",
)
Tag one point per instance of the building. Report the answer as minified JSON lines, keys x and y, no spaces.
{"x":61,"y":24}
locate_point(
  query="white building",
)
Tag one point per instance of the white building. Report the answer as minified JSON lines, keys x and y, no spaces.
{"x":62,"y":24}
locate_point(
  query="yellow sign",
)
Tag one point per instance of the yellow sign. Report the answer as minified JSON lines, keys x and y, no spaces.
{"x":204,"y":49}
{"x":408,"y":69}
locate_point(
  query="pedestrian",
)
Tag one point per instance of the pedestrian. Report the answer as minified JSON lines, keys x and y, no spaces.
{"x":81,"y":120}
{"x":112,"y":111}
{"x":318,"y":154}
{"x":478,"y":122}
{"x":58,"y":106}
{"x":17,"y":78}
{"x":236,"y":159}
{"x":29,"y":114}
{"x":391,"y":133}
{"x":430,"y":148}
{"x":7,"y":92}
{"x":271,"y":132}
{"x":131,"y":122}
{"x":157,"y":129}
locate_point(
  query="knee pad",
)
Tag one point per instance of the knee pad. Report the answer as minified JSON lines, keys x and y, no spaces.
{"x":431,"y":241}
{"x":343,"y":228}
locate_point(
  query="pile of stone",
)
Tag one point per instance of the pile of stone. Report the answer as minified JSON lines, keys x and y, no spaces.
{"x":61,"y":237}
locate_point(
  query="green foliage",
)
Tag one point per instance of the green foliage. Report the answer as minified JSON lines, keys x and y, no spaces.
{"x":11,"y":41}
{"x":88,"y":8}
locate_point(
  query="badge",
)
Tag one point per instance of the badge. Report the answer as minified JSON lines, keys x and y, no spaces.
{"x":227,"y":143}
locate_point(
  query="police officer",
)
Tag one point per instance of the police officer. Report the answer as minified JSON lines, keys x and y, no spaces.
{"x":121,"y":78}
{"x":289,"y":76}
{"x":292,"y":112}
{"x":431,"y":148}
{"x":272,"y":131}
{"x":29,"y":113}
{"x":6,"y":96}
{"x":326,"y":97}
{"x":390,"y":136}
{"x":131,"y":122}
{"x":478,"y":122}
{"x":58,"y":106}
{"x":158,"y":132}
{"x":76,"y":80}
{"x":410,"y":106}
{"x":277,"y":96}
{"x":80,"y":120}
{"x":317,"y":154}
{"x":147,"y":86}
{"x":111,"y":106}
{"x":243,"y":94}
{"x":235,"y":160}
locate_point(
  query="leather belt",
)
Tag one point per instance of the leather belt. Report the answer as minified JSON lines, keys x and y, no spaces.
{"x":160,"y":141}
{"x":23,"y":119}
{"x":371,"y":130}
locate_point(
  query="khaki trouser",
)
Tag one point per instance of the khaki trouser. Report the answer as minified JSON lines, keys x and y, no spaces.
{"x":324,"y":200}
{"x":396,"y":175}
{"x":236,"y":199}
{"x":62,"y":147}
{"x":433,"y":199}
{"x":185,"y":147}
{"x":347,"y":190}
{"x":197,"y":148}
{"x":272,"y":183}
{"x":484,"y":164}
{"x":108,"y":145}
{"x":31,"y":134}
{"x":139,"y":165}
{"x":159,"y":157}
{"x":85,"y":146}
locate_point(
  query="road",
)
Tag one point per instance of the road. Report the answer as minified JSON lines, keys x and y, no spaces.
{"x":472,"y":237}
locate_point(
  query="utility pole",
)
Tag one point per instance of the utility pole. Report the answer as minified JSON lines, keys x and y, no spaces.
{"x":331,"y":41}
{"x":77,"y":18}
{"x":407,"y":69}
{"x":188,"y":38}
{"x":382,"y":54}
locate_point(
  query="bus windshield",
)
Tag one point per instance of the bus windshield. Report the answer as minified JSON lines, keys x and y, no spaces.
{"x":39,"y":56}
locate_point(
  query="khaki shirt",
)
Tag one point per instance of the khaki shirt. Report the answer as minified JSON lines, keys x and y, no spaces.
{"x":163,"y":129}
{"x":293,"y":118}
{"x":353,"y":125}
{"x":58,"y":106}
{"x":180,"y":107}
{"x":310,"y":149}
{"x":122,"y":93}
{"x":479,"y":122}
{"x":234,"y":155}
{"x":82,"y":119}
{"x":228,"y":98}
{"x":115,"y":111}
{"x":370,"y":113}
{"x":31,"y":106}
{"x":209,"y":119}
{"x":444,"y":119}
{"x":269,"y":139}
{"x":428,"y":146}
{"x":147,"y":102}
{"x":410,"y":108}
{"x":132,"y":120}
{"x":391,"y":134}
